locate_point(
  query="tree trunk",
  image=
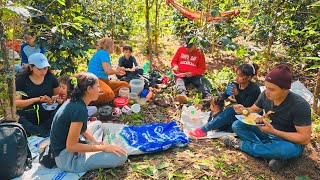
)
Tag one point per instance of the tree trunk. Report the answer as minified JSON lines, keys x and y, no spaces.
{"x":267,"y":53}
{"x":206,"y":18}
{"x":11,"y":80}
{"x":316,"y":95}
{"x":156,"y":26}
{"x":148,"y":34}
{"x":252,"y":12}
{"x":112,"y":29}
{"x":8,"y":107}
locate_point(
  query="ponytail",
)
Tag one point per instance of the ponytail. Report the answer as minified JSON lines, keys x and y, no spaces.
{"x":248,"y":69}
{"x":80,"y":84}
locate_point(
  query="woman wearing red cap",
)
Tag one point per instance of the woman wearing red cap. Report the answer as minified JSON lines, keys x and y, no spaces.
{"x":290,"y":127}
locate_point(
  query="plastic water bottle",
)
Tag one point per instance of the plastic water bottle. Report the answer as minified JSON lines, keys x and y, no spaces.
{"x":146,"y":67}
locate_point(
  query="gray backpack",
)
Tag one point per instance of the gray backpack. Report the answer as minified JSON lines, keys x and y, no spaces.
{"x":15,"y":155}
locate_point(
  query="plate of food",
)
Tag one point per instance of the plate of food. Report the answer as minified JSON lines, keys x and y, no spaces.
{"x":250,"y":119}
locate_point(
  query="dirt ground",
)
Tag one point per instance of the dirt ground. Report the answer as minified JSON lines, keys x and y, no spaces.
{"x":205,"y":159}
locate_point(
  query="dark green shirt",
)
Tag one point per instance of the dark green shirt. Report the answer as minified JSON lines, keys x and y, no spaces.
{"x":127,"y":63}
{"x":293,"y":111}
{"x":70,"y":111}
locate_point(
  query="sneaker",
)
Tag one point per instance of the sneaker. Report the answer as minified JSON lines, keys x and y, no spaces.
{"x":231,"y":141}
{"x":277,"y":165}
{"x":198,"y":133}
{"x":181,"y":98}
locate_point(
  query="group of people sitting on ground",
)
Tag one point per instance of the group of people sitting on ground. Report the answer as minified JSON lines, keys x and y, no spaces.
{"x":281,"y":139}
{"x":68,"y":123}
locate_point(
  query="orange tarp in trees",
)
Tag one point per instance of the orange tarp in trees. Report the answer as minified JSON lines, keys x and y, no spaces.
{"x":196,"y":15}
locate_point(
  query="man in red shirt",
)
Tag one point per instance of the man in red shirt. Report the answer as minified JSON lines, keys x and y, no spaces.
{"x":188,"y":65}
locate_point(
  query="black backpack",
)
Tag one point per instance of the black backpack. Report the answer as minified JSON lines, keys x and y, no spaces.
{"x":15,"y":155}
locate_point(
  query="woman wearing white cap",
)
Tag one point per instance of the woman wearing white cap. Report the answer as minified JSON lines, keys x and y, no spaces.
{"x":39,"y":84}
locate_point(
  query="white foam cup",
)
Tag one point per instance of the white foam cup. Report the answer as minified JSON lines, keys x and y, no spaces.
{"x":136,"y":108}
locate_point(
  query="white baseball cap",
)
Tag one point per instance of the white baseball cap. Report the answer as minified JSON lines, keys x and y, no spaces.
{"x":39,"y":60}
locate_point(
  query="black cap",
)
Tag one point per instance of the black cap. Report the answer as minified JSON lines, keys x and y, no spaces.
{"x":188,"y":43}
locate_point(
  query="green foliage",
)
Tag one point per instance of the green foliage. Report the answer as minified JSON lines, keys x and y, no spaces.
{"x":73,"y":29}
{"x":219,"y":80}
{"x":292,"y":24}
{"x":148,"y":170}
{"x":134,"y":119}
{"x":4,"y":96}
{"x":218,"y":33}
{"x":316,"y":123}
{"x":302,"y":178}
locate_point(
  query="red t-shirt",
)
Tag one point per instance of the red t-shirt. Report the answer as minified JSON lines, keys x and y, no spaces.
{"x":193,"y":62}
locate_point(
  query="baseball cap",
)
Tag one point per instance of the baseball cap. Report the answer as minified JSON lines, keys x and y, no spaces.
{"x":39,"y":60}
{"x":188,"y":43}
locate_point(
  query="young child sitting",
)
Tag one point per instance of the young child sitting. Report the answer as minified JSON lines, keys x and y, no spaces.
{"x":216,"y":107}
{"x":65,"y":84}
{"x":130,"y":64}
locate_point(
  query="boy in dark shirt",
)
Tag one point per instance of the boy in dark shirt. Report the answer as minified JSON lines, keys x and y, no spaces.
{"x":130,"y":64}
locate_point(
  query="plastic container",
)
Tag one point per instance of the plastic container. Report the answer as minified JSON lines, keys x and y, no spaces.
{"x":136,"y":108}
{"x":105,"y":110}
{"x":146,"y":67}
{"x":50,"y":107}
{"x":123,"y":92}
{"x":142,"y":101}
{"x":133,"y":96}
{"x":144,"y":93}
{"x":120,"y":102}
{"x":136,"y":85}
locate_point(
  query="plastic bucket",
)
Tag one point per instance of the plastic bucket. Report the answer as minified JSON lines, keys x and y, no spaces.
{"x":123,"y":92}
{"x":136,"y":85}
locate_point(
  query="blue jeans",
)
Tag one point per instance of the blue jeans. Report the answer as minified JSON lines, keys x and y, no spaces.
{"x":222,"y":122}
{"x":259,"y":144}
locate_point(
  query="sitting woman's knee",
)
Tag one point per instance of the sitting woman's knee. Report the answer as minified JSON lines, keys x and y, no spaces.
{"x":122,"y":159}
